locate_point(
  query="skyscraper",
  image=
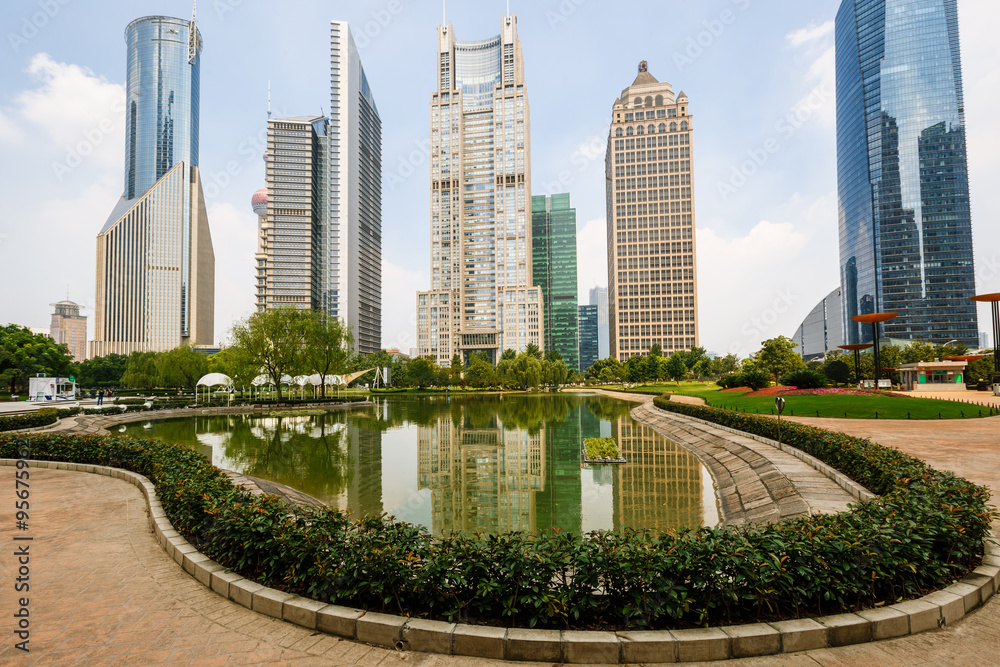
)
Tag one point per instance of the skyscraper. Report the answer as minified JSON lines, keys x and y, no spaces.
{"x":69,"y":328}
{"x":589,"y":338}
{"x":320,"y":243}
{"x":652,"y":284}
{"x":155,"y":263}
{"x":905,"y":220}
{"x":553,"y":243}
{"x":599,"y":298}
{"x":292,"y":210}
{"x":481,"y":297}
{"x":351,"y":241}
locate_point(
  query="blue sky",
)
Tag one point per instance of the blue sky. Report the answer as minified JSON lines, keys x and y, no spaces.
{"x":758,"y":73}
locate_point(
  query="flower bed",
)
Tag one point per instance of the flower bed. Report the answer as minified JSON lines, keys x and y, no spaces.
{"x":792,"y":391}
{"x":923,"y":533}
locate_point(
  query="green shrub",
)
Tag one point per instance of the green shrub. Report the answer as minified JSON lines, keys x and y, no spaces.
{"x":921,"y":534}
{"x":602,"y":448}
{"x":43,"y":417}
{"x":730,"y":381}
{"x":805,"y":379}
{"x":756,"y":380}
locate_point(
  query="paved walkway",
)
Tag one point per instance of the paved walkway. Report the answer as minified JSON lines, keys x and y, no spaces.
{"x":103,"y":592}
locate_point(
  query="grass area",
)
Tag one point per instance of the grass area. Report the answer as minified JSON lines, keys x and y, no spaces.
{"x":602,"y":448}
{"x":841,"y":406}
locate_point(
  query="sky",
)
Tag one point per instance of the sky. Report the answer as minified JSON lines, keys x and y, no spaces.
{"x":759,"y":73}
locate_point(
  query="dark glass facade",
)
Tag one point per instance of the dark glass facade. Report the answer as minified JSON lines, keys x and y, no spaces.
{"x":905,"y":220}
{"x":589,"y":348}
{"x":553,"y":245}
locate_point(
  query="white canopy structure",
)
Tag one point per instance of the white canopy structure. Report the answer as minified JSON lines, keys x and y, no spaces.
{"x":214,"y":380}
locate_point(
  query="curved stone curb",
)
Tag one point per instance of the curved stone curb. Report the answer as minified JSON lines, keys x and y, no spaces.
{"x":843,"y":481}
{"x":944,"y":607}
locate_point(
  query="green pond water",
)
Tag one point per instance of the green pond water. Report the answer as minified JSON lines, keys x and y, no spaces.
{"x":487,"y":464}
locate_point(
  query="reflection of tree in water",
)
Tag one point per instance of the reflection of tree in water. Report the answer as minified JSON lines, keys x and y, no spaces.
{"x":306,"y":453}
{"x":608,"y":409}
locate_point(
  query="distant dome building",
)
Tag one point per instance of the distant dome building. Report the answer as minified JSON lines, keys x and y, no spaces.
{"x":259,"y":202}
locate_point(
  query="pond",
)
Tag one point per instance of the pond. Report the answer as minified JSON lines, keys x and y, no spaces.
{"x":488,"y":464}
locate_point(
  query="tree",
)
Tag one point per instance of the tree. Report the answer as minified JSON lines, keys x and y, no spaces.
{"x":480,"y":373}
{"x":232,"y":362}
{"x":838,"y":371}
{"x":328,"y":346}
{"x":553,"y":355}
{"x":729,"y":364}
{"x":180,"y":367}
{"x":455,"y":372}
{"x":273,"y":341}
{"x":23,"y":354}
{"x":533,"y":351}
{"x":676,"y":367}
{"x":555,"y":373}
{"x":104,"y":371}
{"x":693,"y":356}
{"x":778,"y":357}
{"x":422,"y":372}
{"x":596,"y":371}
{"x":508,"y":355}
{"x":141,"y":371}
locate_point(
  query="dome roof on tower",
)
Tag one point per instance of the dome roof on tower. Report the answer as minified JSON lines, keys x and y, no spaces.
{"x":259,"y":202}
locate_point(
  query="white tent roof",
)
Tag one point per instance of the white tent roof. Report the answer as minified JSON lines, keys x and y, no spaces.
{"x":215,"y":380}
{"x":265,"y":380}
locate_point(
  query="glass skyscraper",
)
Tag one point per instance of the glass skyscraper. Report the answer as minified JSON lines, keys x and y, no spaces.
{"x":482,"y":298}
{"x":588,"y":317}
{"x":553,"y":251}
{"x":905,"y":221}
{"x":155,"y":262}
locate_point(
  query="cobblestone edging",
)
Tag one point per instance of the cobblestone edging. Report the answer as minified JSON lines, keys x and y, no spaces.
{"x":938,"y":609}
{"x":755,"y":483}
{"x":846,"y":483}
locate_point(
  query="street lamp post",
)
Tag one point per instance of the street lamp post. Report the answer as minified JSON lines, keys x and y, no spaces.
{"x":856,"y":348}
{"x":875,"y":319}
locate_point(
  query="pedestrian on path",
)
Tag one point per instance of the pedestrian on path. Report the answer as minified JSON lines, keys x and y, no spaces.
{"x":100,"y":397}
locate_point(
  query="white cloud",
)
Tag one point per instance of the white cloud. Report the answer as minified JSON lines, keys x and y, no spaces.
{"x":591,"y":257}
{"x":811,"y":34}
{"x":757,"y":286}
{"x":399,"y":306}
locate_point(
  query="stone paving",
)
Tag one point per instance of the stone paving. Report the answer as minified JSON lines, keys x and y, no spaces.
{"x":755,"y":482}
{"x":105,"y":593}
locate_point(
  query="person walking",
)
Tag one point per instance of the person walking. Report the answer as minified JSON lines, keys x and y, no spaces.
{"x":100,"y":397}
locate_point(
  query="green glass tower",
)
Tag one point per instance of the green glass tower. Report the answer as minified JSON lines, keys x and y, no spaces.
{"x":553,"y":255}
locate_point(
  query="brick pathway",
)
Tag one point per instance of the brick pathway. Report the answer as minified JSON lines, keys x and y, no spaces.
{"x":105,"y":593}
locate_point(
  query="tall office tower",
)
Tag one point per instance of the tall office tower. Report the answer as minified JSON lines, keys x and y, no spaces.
{"x":292,"y":215}
{"x":69,"y":328}
{"x":599,"y":298}
{"x":481,"y":298}
{"x":589,"y":336}
{"x":652,"y":284}
{"x":905,"y":220}
{"x":553,"y":252}
{"x":155,"y":263}
{"x":351,"y":266}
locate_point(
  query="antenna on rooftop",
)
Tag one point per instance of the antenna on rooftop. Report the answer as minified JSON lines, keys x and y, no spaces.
{"x":193,"y":35}
{"x":268,"y":98}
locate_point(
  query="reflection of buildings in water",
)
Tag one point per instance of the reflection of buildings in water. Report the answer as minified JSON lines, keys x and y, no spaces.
{"x":559,"y":503}
{"x":481,"y":480}
{"x":364,"y":454}
{"x":604,"y":475}
{"x":661,"y":485}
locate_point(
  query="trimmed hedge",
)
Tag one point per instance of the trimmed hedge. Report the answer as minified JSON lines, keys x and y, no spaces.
{"x":43,"y":417}
{"x":923,"y":533}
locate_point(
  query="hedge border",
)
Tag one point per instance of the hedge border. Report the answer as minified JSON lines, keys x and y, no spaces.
{"x":941,"y":608}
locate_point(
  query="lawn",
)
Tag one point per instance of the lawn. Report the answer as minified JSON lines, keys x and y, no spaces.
{"x":850,"y":406}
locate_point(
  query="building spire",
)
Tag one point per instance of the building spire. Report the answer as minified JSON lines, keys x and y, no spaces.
{"x":193,"y":34}
{"x":268,"y":98}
